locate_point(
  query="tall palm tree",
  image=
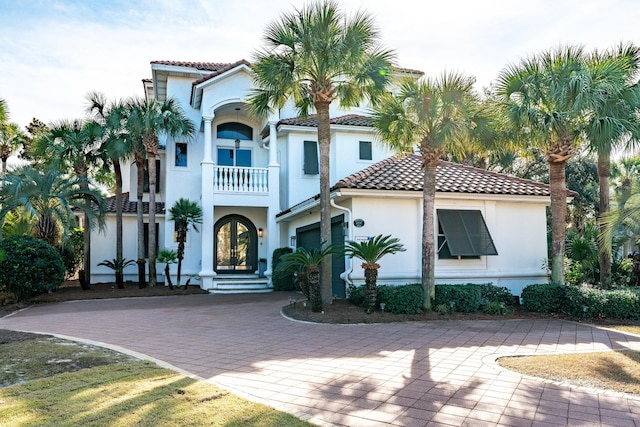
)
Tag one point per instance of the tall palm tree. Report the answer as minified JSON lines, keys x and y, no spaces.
{"x":433,"y":114}
{"x":613,"y":119}
{"x":315,"y":56}
{"x":116,"y":145}
{"x":11,"y":138}
{"x":52,"y":197}
{"x":73,"y":145}
{"x":548,"y":94}
{"x":147,"y":119}
{"x":370,"y":252}
{"x":186,"y":214}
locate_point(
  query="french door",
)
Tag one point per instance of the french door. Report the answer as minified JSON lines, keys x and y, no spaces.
{"x":235,"y":245}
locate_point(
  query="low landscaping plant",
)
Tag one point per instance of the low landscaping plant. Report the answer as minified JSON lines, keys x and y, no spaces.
{"x":282,"y":279}
{"x":30,"y":267}
{"x":462,"y":298}
{"x":584,"y":301}
{"x":397,"y":299}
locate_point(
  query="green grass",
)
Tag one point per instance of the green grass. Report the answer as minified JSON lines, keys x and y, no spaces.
{"x":116,"y":391}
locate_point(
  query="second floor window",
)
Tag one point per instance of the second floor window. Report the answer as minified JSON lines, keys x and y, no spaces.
{"x":233,"y":157}
{"x":366,"y":153}
{"x":310,"y":165}
{"x":234,"y":130}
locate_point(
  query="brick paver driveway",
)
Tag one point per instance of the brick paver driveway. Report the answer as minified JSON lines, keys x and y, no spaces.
{"x":408,"y":374}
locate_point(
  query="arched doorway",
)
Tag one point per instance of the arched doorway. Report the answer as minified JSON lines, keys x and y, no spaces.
{"x":235,"y":245}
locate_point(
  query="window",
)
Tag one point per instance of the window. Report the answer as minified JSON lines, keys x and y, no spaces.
{"x":233,"y":157}
{"x":234,"y":130}
{"x":365,"y":150}
{"x":181,"y":154}
{"x":311,"y":166}
{"x":463,"y":234}
{"x":145,"y":185}
{"x":146,"y":238}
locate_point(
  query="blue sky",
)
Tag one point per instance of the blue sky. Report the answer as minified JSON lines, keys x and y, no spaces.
{"x":55,"y":51}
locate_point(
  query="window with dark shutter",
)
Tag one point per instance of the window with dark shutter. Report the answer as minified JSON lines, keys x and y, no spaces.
{"x":311,"y":166}
{"x":366,"y":152}
{"x":463,"y":234}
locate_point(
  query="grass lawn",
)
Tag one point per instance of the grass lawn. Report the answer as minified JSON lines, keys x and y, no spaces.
{"x":615,"y":370}
{"x":59,"y":383}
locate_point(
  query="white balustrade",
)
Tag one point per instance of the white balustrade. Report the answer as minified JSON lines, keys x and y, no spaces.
{"x":240,"y":179}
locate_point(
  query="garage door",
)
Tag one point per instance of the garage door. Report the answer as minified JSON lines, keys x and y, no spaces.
{"x":308,"y":237}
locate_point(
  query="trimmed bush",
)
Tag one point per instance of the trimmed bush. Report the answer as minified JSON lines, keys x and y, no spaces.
{"x":591,"y":303}
{"x":401,"y":299}
{"x":30,"y":267}
{"x":490,"y":294}
{"x":462,"y":298}
{"x":282,"y":280}
{"x":547,"y":298}
{"x":405,"y":299}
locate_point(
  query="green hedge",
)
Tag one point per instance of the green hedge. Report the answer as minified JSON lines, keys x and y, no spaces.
{"x":401,"y":299}
{"x":30,"y":267}
{"x":582,"y":302}
{"x":281,"y":280}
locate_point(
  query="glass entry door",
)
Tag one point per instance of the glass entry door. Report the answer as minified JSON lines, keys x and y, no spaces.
{"x":235,"y":245}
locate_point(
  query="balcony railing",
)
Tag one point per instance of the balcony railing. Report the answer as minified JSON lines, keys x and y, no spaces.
{"x":240,"y":179}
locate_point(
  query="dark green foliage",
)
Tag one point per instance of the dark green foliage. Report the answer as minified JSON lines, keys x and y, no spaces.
{"x":490,"y":293}
{"x":72,"y":251}
{"x":497,"y":308}
{"x":282,"y":280}
{"x":461,"y":298}
{"x":31,"y":267}
{"x":591,"y":303}
{"x":406,"y":299}
{"x":544,"y":298}
{"x":401,"y":299}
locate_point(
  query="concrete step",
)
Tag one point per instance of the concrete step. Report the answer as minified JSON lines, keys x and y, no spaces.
{"x":240,"y":285}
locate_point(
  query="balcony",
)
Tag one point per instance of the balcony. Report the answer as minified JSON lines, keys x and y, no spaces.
{"x":236,"y":179}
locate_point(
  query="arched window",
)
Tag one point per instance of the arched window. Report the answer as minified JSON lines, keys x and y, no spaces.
{"x":235,"y":130}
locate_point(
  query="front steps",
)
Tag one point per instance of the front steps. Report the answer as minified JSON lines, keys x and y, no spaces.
{"x":240,"y":284}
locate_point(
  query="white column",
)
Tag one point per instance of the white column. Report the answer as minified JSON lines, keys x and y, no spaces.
{"x":207,"y":273}
{"x":273,"y":228}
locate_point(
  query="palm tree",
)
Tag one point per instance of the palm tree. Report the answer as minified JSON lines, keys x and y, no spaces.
{"x":146,"y":120}
{"x":613,"y":118}
{"x":168,"y":257}
{"x":185,"y":213}
{"x":74,"y":145}
{"x":11,"y":138}
{"x":548,"y":95}
{"x":53,"y":198}
{"x":306,"y":264}
{"x":370,"y":252}
{"x":116,"y":144}
{"x":118,"y":264}
{"x":314,"y":56}
{"x":433,"y":114}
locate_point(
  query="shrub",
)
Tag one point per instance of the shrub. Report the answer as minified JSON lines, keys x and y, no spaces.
{"x":497,"y":308}
{"x":462,"y":298}
{"x":544,"y":298}
{"x":281,"y":279}
{"x":31,"y":267}
{"x":405,"y":299}
{"x":356,"y":295}
{"x":490,"y":293}
{"x":72,"y":252}
{"x":591,"y":303}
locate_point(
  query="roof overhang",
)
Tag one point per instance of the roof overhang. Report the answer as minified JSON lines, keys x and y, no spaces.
{"x":161,"y":72}
{"x":198,"y":89}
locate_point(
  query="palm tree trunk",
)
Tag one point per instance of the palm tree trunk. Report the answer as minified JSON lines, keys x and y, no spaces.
{"x":180,"y":255}
{"x":604,"y":172}
{"x":557,"y":185}
{"x":152,"y":217}
{"x":168,"y":276}
{"x":324,"y":145}
{"x":428,"y":236}
{"x":118,"y":175}
{"x":313,"y":278}
{"x":86,"y":259}
{"x":370,"y":280}
{"x":140,"y":219}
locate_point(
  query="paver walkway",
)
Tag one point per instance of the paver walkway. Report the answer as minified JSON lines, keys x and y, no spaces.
{"x":405,"y":374}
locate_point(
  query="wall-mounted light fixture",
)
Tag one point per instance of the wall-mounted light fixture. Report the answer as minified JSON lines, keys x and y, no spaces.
{"x":237,"y":141}
{"x":260,"y":232}
{"x":293,"y":241}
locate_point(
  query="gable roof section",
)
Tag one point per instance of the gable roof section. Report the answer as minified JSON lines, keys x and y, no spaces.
{"x":404,"y":173}
{"x":202,"y":66}
{"x":129,"y":207}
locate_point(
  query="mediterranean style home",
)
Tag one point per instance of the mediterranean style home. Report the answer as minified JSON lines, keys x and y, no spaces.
{"x":257,"y":183}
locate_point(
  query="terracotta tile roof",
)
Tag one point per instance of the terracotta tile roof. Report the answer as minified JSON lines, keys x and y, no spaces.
{"x":223,"y":69}
{"x":131,"y":206}
{"x":205,"y":66}
{"x":312,"y":121}
{"x":405,"y":173}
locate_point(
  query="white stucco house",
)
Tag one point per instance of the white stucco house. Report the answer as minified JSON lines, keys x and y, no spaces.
{"x":257,"y":182}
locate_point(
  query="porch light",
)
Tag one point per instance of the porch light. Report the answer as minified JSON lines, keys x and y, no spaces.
{"x":260,"y":232}
{"x":237,"y":142}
